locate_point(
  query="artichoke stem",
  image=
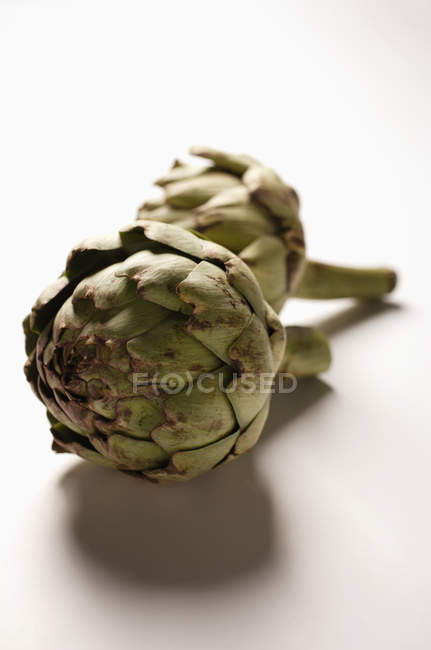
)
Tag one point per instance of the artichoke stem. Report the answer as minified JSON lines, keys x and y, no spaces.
{"x":323,"y":281}
{"x":307,"y":352}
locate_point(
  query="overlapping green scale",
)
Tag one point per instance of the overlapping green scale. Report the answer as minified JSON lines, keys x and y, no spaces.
{"x":157,"y":302}
{"x":238,"y":203}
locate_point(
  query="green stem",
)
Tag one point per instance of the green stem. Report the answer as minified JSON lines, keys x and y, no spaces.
{"x":323,"y":281}
{"x":307,"y":352}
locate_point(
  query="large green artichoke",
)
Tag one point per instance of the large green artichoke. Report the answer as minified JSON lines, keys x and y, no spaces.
{"x":154,"y":302}
{"x":245,"y":206}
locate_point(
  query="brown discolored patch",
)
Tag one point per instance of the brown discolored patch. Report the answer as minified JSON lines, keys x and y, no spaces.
{"x":392,"y":281}
{"x":196,"y":324}
{"x":297,"y":241}
{"x":89,"y":294}
{"x":222,"y":284}
{"x":197,"y":367}
{"x":58,"y":449}
{"x":215,"y":425}
{"x":228,"y":321}
{"x":171,"y":421}
{"x":76,"y":386}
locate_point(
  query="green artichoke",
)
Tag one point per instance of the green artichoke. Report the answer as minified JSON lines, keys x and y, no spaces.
{"x":154,"y":302}
{"x":240,"y":204}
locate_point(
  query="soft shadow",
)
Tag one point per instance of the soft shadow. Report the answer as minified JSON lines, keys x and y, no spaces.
{"x":207,"y":531}
{"x":285,"y":407}
{"x":355,"y":315}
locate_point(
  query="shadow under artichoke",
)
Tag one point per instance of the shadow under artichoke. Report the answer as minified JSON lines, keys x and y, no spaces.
{"x":205,"y":532}
{"x":211,"y":530}
{"x":285,"y":407}
{"x":196,"y":533}
{"x":352,"y":316}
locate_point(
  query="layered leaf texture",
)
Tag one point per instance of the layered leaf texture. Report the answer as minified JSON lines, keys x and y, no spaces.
{"x":238,"y":203}
{"x":134,"y":310}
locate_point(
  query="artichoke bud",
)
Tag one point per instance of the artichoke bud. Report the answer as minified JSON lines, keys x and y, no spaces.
{"x":237,"y":202}
{"x":140,"y":350}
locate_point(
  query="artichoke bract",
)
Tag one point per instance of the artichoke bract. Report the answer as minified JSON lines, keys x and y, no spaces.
{"x":243,"y":205}
{"x":240,"y":204}
{"x":133,"y":312}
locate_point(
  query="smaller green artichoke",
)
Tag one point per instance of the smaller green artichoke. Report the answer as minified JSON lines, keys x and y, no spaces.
{"x":154,"y":302}
{"x":242,"y":205}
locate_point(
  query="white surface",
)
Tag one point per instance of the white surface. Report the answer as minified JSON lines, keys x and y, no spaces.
{"x":320,"y":539}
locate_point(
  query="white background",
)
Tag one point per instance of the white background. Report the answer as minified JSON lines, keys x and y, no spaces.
{"x":320,"y":538}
